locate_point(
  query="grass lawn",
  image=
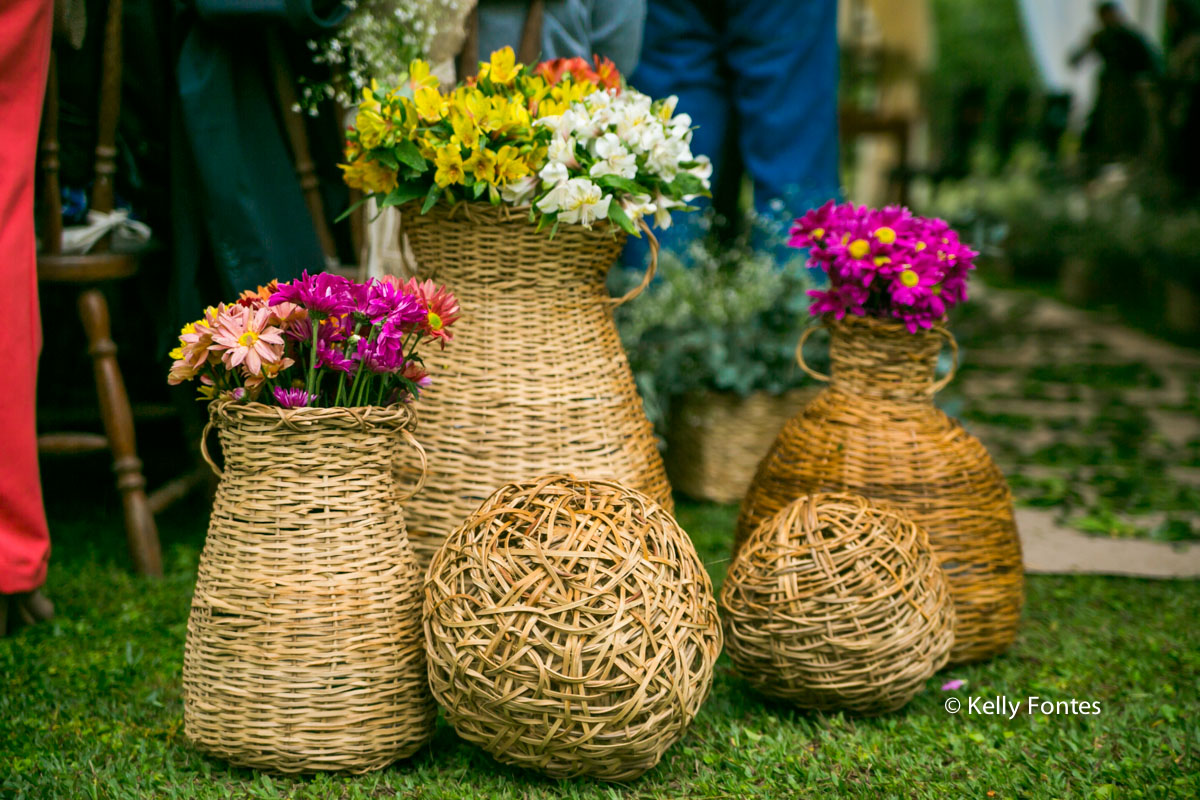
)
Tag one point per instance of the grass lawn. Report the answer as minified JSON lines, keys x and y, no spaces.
{"x":91,"y":704}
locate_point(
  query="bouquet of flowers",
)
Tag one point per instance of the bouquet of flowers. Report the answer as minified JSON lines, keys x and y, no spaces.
{"x":567,"y":138}
{"x":321,"y":340}
{"x":884,"y":263}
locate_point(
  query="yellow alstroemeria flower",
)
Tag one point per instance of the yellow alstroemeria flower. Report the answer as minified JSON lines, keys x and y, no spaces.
{"x":549,"y":107}
{"x":428,"y":144}
{"x":482,"y":164}
{"x":465,"y":129}
{"x":479,"y":106}
{"x":449,"y":166}
{"x":369,"y":101}
{"x":510,"y":166}
{"x":502,"y":67}
{"x":429,"y":103}
{"x":419,"y":76}
{"x":373,"y":129}
{"x":370,"y":176}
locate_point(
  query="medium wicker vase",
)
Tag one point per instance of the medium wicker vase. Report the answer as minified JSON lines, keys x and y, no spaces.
{"x":536,"y":380}
{"x":875,"y":431}
{"x":304,"y":647}
{"x":716,"y":439}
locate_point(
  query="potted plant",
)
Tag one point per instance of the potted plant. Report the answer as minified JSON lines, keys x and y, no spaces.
{"x":517,"y":189}
{"x":712,"y":344}
{"x":304,"y":646}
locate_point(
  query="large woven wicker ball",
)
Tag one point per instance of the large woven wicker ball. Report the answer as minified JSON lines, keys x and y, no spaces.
{"x":570,"y":628}
{"x":836,"y":603}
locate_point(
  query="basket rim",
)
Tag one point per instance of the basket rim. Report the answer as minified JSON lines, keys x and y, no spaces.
{"x":886,"y":324}
{"x":397,"y":415}
{"x":480,"y":212}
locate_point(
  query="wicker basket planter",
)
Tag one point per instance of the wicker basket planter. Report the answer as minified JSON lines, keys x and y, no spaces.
{"x":834,"y":603}
{"x":304,"y":647}
{"x":537,"y":381}
{"x":716,"y":439}
{"x":875,"y":431}
{"x":571,"y":628}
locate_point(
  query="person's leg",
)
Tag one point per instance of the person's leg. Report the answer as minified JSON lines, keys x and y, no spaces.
{"x":24,"y":60}
{"x":681,"y":56}
{"x":783,"y":59}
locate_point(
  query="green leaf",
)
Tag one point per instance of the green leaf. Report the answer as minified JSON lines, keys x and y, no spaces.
{"x":617,"y":215}
{"x":620,"y":184}
{"x":410,"y":156}
{"x":687,"y":183}
{"x":479,"y":188}
{"x":353,"y":207}
{"x":408,"y":190}
{"x":385,"y":157}
{"x":431,"y":197}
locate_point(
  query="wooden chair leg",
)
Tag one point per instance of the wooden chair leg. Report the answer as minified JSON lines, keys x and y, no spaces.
{"x":118,"y":425}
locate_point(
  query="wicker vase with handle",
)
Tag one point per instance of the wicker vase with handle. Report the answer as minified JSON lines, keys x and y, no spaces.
{"x":304,"y":648}
{"x":875,"y":431}
{"x":536,"y":381}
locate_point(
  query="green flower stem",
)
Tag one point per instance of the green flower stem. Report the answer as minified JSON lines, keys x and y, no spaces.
{"x":312,"y":361}
{"x":354,"y":390}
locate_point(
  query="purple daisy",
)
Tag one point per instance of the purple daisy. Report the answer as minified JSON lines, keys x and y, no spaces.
{"x":292,"y":398}
{"x":323,"y":294}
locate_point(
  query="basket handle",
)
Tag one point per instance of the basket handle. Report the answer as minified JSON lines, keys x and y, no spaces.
{"x":650,"y":271}
{"x":944,"y":381}
{"x":204,"y":450}
{"x":800,"y":353}
{"x":412,"y":441}
{"x":938,"y":385}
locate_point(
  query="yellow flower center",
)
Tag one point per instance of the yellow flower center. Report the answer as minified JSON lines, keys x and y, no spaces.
{"x":885,"y":235}
{"x":909,"y":278}
{"x":435,"y":322}
{"x":859,"y":248}
{"x":248,"y":339}
{"x":920,"y":246}
{"x":818,"y":233}
{"x":881,"y":260}
{"x":937,"y":289}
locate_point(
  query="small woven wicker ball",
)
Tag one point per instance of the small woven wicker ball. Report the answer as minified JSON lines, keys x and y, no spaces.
{"x":836,"y":603}
{"x":570,"y":628}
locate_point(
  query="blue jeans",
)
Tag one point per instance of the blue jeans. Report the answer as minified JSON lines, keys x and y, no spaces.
{"x":756,"y":75}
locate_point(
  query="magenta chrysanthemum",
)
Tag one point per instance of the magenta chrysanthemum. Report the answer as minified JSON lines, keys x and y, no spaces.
{"x":292,"y":398}
{"x":323,"y":294}
{"x":884,"y":263}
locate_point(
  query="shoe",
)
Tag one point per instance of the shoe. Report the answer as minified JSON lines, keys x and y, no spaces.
{"x":26,"y":608}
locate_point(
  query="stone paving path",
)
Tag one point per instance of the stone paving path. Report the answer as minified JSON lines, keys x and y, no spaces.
{"x":1097,"y":428}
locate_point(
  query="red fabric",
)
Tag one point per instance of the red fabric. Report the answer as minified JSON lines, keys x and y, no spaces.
{"x":24,"y":61}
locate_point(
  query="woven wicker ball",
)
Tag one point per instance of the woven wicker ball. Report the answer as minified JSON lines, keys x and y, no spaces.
{"x":836,"y":603}
{"x":570,"y":628}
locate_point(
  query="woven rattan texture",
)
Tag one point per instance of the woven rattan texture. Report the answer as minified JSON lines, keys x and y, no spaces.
{"x":571,"y":628}
{"x":536,"y":380}
{"x":716,"y":440}
{"x":304,"y":649}
{"x":875,"y":431}
{"x":835,"y":603}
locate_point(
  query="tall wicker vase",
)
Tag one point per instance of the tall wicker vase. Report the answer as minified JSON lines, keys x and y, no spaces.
{"x":536,"y":381}
{"x":875,"y":431}
{"x":304,"y":647}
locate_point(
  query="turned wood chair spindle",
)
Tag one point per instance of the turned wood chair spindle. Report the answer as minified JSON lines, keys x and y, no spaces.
{"x":89,"y":271}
